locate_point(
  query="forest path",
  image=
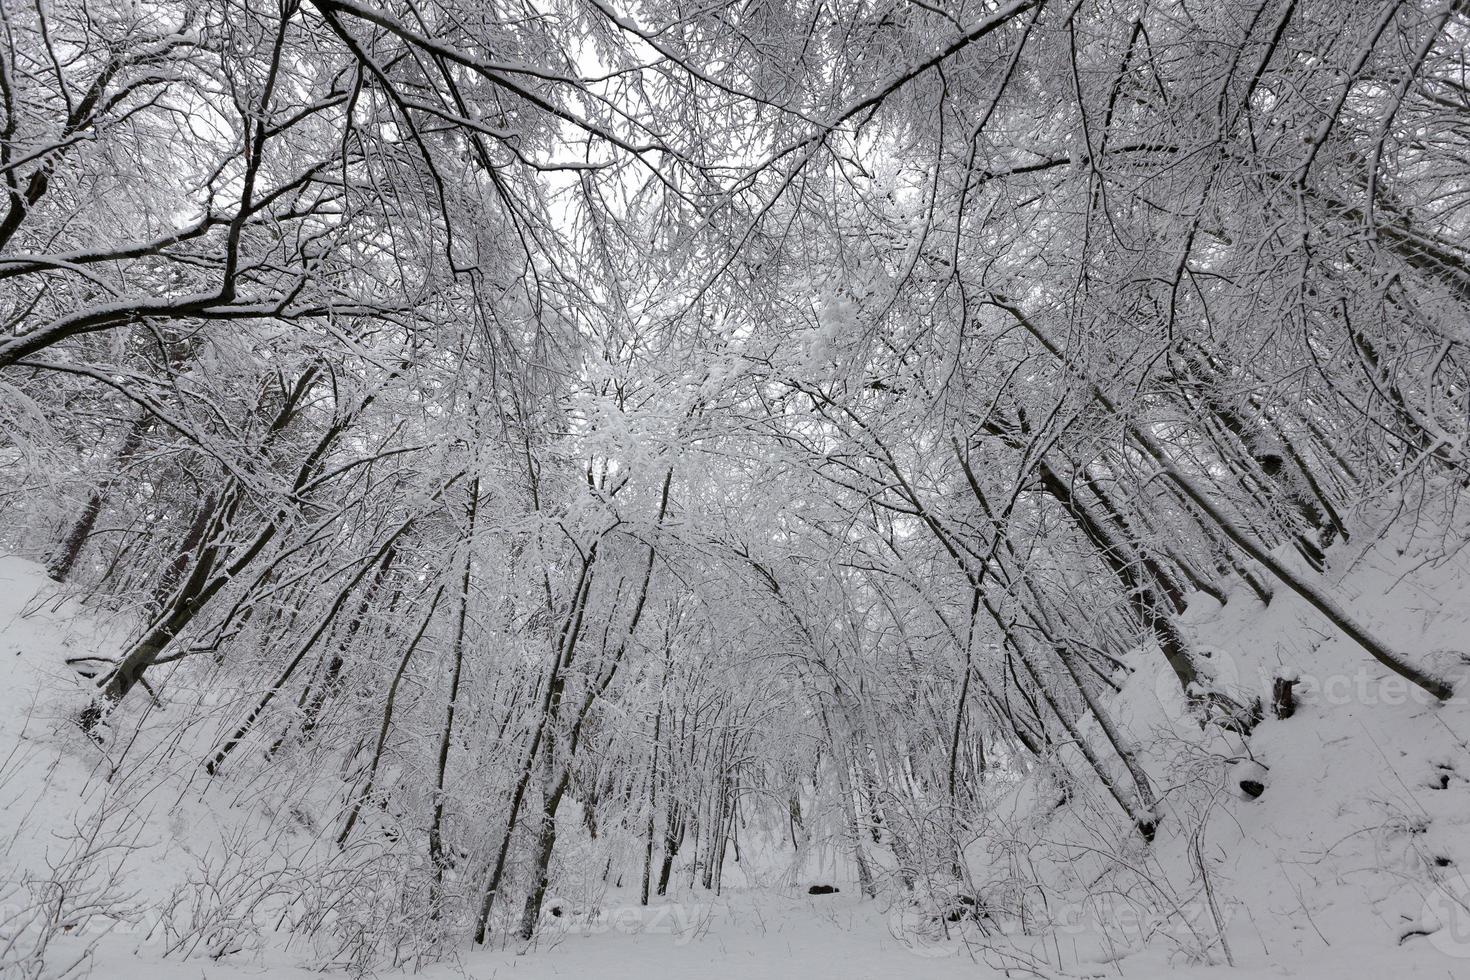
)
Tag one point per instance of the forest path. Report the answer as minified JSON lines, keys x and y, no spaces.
{"x":770,"y":935}
{"x":739,"y":936}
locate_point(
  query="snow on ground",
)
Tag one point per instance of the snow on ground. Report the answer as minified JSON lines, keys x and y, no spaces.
{"x":1348,"y":864}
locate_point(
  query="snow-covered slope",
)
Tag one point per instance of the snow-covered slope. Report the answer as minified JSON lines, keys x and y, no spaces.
{"x":1348,"y":840}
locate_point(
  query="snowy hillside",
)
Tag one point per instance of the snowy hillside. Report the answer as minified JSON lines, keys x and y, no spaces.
{"x":1338,"y":834}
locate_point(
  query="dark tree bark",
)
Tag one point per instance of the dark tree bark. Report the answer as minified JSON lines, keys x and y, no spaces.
{"x":64,"y":558}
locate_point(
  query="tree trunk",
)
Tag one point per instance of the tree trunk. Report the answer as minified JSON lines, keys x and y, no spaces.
{"x":652,"y":806}
{"x":390,"y":701}
{"x":62,"y":560}
{"x":673,"y":839}
{"x":436,"y":823}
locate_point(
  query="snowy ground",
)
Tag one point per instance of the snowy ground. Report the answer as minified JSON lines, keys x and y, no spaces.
{"x":1349,"y":865}
{"x":759,"y":935}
